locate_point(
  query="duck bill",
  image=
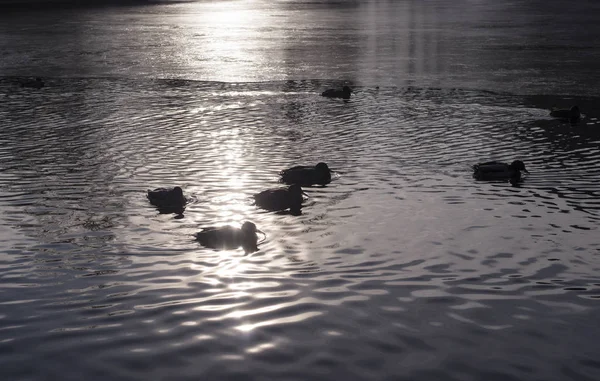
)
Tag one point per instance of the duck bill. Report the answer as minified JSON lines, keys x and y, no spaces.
{"x":526,"y":171}
{"x":304,"y":193}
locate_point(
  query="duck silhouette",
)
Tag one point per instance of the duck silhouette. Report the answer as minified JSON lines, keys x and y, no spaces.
{"x":320,"y":174}
{"x":229,"y":237}
{"x":168,"y":200}
{"x":36,"y":83}
{"x":278,"y":199}
{"x":495,"y":170}
{"x":344,"y":93}
{"x":572,"y":113}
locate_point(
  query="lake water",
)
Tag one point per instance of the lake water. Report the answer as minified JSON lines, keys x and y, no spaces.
{"x":403,"y":268}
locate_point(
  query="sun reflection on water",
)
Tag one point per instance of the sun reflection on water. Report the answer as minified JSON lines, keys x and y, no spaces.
{"x":231,"y":43}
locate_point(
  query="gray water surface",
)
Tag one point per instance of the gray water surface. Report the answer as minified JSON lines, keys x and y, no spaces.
{"x":403,"y":268}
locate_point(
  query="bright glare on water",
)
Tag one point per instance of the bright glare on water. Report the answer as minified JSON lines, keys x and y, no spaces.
{"x":402,"y":268}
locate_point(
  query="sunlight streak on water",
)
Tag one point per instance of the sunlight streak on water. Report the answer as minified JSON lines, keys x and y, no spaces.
{"x":228,"y":39}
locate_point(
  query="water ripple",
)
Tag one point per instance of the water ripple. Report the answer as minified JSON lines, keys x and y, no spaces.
{"x":403,"y":256}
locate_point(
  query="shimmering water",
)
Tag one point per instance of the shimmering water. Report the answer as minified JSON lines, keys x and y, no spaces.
{"x":402,"y":268}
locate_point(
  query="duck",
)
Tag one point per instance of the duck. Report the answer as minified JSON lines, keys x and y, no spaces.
{"x":566,"y":113}
{"x":278,"y":199}
{"x":344,"y":93}
{"x":495,"y":170}
{"x":167,"y":198}
{"x":229,"y":237}
{"x":307,"y":175}
{"x":37,"y":83}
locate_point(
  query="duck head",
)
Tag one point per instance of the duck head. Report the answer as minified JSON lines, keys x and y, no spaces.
{"x":574,"y":111}
{"x":322,"y":173}
{"x":178,"y":191}
{"x":249,"y":228}
{"x":518,"y":165}
{"x":322,"y":167}
{"x":250,"y":240}
{"x":177,"y":195}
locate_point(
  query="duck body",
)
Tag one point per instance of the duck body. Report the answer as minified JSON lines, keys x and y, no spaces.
{"x":320,"y":174}
{"x":35,"y":84}
{"x":167,"y":197}
{"x":495,"y":170}
{"x":344,"y":93}
{"x":566,"y":113}
{"x":280,"y":198}
{"x":229,"y":237}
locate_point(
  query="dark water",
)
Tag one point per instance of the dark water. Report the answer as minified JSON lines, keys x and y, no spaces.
{"x":403,"y":268}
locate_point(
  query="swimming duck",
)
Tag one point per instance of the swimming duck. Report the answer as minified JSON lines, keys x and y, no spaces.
{"x":566,"y":113}
{"x":168,"y":198}
{"x":228,"y":237}
{"x":307,"y":175}
{"x":345,"y":93}
{"x":36,"y":84}
{"x":495,"y":170}
{"x":281,"y":198}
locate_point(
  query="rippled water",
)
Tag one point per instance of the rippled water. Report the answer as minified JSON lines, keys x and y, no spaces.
{"x":403,"y":267}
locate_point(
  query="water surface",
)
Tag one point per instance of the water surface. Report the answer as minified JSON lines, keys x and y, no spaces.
{"x":403,"y":267}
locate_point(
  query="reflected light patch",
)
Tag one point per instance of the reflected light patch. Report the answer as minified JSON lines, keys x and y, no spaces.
{"x":229,"y":14}
{"x":232,"y":212}
{"x":291,"y":319}
{"x":233,"y":268}
{"x":241,"y":314}
{"x":237,"y":182}
{"x":260,"y":348}
{"x":232,"y":357}
{"x":213,"y":308}
{"x":232,"y":43}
